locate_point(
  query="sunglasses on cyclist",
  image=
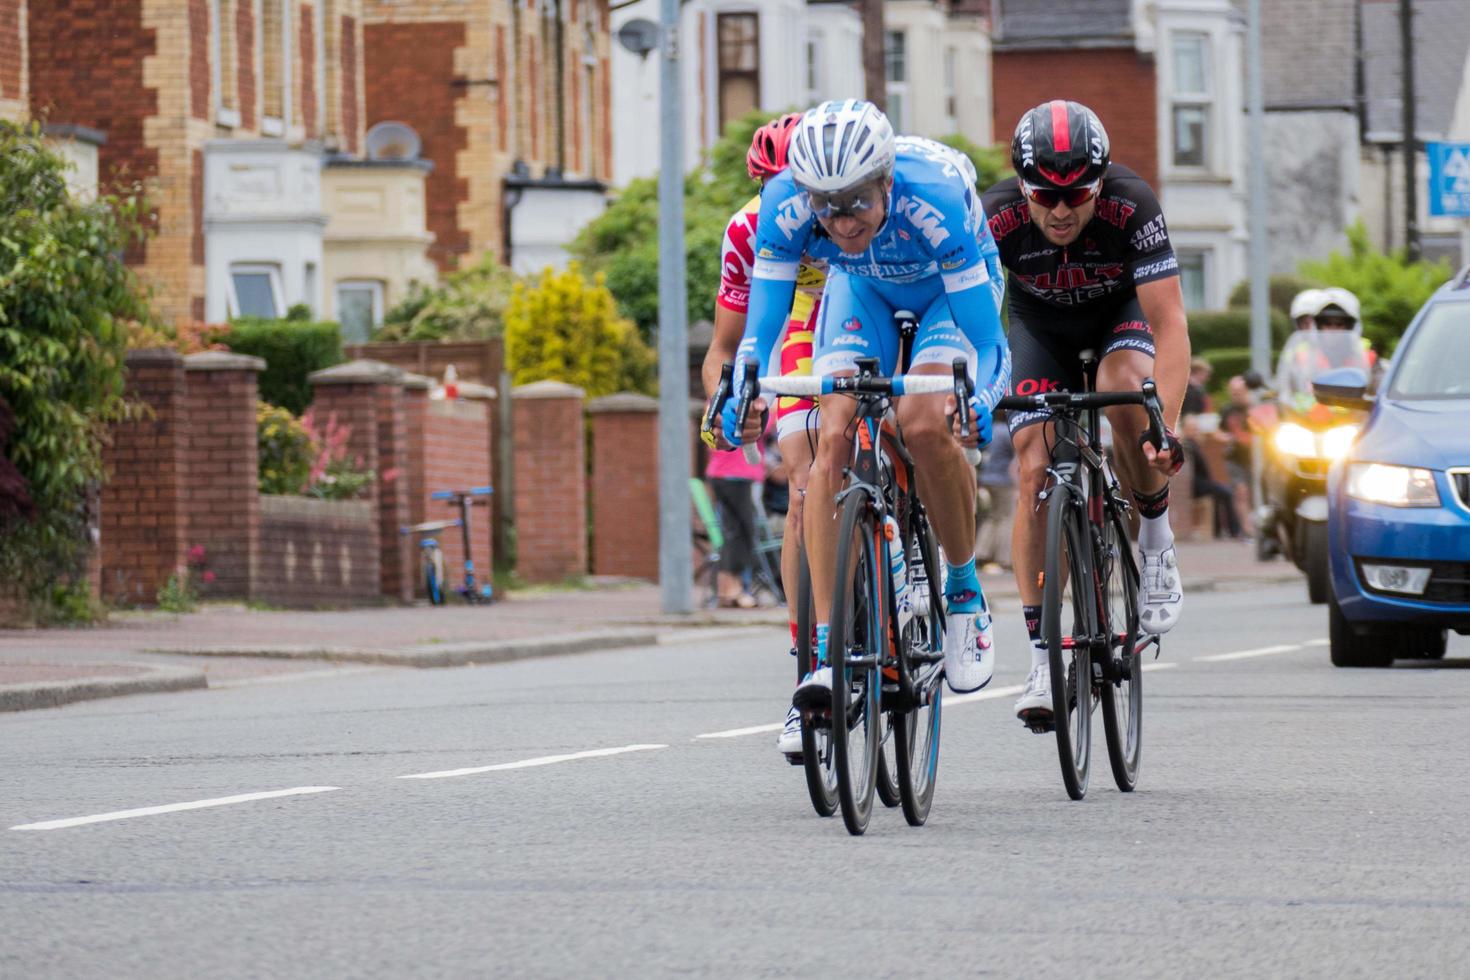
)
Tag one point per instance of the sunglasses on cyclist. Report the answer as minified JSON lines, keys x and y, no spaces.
{"x":1048,"y":198}
{"x":845,"y":203}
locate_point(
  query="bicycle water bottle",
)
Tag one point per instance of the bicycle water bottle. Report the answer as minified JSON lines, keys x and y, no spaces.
{"x":918,"y":583}
{"x":898,"y":568}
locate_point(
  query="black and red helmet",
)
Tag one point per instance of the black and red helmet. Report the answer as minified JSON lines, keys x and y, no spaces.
{"x":767,"y":155}
{"x":1059,"y":145}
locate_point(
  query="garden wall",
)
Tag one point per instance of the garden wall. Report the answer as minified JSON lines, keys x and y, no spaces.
{"x":316,"y":553}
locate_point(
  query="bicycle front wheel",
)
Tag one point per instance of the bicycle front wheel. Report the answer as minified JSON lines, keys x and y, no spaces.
{"x":816,"y":741}
{"x":1122,"y":682}
{"x":916,"y":730}
{"x":1066,"y":607}
{"x":855,"y":641}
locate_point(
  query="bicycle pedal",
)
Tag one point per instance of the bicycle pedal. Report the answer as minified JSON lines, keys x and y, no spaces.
{"x":1040,"y":722}
{"x":794,"y":758}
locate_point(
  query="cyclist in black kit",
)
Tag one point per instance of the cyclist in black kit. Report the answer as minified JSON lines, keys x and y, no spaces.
{"x":1091,"y":267}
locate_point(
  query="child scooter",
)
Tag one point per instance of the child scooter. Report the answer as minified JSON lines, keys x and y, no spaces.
{"x":471,"y":591}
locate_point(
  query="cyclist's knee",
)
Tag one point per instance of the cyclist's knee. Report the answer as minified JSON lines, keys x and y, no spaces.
{"x":1124,"y":370}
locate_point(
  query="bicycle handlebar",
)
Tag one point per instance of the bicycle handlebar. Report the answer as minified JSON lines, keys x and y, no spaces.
{"x":1076,"y":401}
{"x":456,"y":494}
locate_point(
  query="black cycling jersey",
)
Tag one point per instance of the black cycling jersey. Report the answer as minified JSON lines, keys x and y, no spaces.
{"x":1124,"y":245}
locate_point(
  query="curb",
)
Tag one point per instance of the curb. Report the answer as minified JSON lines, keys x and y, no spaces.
{"x":54,"y":694}
{"x":438,"y":654}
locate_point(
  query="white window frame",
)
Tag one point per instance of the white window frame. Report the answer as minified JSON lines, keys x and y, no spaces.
{"x":374,"y":286}
{"x":951,"y":88}
{"x":272,"y":271}
{"x":897,"y":89}
{"x":1202,"y":101}
{"x":812,"y":67}
{"x":1205,"y":256}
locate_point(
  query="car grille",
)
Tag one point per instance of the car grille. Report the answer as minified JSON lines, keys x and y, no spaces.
{"x":1460,"y":480}
{"x":1449,"y":581}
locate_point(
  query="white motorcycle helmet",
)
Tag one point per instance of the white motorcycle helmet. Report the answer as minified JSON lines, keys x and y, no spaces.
{"x":1308,"y":302}
{"x":838,"y":145}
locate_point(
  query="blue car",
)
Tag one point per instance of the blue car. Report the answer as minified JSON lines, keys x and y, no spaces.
{"x":1398,"y":518}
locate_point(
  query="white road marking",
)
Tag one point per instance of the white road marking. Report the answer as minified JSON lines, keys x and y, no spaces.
{"x":545,"y":760}
{"x":1246,"y":654}
{"x":1161,"y":665}
{"x":987,"y":694}
{"x":1321,"y":641}
{"x":149,"y":811}
{"x":737,"y":732}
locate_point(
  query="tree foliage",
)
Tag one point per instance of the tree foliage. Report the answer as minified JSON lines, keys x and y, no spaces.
{"x":991,"y":162}
{"x":564,"y":328}
{"x":1390,"y":287}
{"x":469,"y":305}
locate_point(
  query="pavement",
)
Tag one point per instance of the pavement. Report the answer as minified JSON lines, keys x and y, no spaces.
{"x":226,"y":645}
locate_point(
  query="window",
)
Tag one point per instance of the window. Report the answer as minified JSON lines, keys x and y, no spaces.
{"x":895,"y":70}
{"x":255,"y":290}
{"x":738,"y":40}
{"x":275,"y":66}
{"x":1191,"y":100}
{"x":359,"y":308}
{"x":223,"y":54}
{"x":951,"y":97}
{"x":813,"y":69}
{"x":589,"y":87}
{"x":1192,"y":272}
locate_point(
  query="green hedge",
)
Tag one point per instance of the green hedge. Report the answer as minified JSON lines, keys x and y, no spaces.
{"x":1211,"y":329}
{"x":292,"y":349}
{"x":1226,"y":362}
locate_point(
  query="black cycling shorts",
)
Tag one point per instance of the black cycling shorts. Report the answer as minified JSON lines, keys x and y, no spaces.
{"x":1045,"y":343}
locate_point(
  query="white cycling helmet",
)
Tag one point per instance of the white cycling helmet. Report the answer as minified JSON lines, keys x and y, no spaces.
{"x":1308,"y":302}
{"x":838,"y":145}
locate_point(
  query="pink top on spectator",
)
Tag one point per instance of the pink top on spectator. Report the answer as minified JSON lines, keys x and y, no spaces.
{"x":732,"y":466}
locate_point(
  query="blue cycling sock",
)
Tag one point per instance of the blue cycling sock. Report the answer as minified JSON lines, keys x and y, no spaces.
{"x":962,"y":587}
{"x":821,"y":645}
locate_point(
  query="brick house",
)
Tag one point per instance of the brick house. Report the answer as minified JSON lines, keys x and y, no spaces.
{"x":14,"y":72}
{"x":512,"y":101}
{"x":1163,"y":76}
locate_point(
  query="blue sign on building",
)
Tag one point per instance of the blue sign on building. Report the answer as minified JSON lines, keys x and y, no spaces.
{"x":1449,"y":179}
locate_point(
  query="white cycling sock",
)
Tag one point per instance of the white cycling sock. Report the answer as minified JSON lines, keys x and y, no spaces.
{"x":1154,"y":533}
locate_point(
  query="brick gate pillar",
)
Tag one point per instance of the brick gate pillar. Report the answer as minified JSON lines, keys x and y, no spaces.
{"x":625,"y":485}
{"x":551,"y":482}
{"x":224,"y":469}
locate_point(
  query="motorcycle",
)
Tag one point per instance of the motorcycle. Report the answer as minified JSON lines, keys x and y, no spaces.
{"x":1302,"y":438}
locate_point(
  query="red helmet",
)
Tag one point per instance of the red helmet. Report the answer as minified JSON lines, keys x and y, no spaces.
{"x":1060,"y":145}
{"x":767,"y":156}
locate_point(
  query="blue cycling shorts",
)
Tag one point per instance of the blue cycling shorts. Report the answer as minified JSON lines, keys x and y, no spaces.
{"x":857,"y":321}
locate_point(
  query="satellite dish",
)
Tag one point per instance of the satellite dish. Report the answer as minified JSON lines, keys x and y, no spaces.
{"x":639,"y":35}
{"x":393,"y":141}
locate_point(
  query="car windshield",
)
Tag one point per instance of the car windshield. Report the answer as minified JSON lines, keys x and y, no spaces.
{"x":1435,"y":363}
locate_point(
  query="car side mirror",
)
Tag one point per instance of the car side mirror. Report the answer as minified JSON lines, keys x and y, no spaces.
{"x":1342,"y":388}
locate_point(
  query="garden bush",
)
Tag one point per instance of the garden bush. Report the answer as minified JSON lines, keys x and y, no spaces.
{"x":292,"y":349}
{"x":286,"y":450}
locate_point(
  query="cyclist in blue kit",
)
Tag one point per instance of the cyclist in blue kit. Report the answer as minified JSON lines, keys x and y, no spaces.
{"x":901,"y":227}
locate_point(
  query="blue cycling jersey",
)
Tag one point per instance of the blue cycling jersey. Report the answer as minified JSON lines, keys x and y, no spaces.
{"x":935,"y":227}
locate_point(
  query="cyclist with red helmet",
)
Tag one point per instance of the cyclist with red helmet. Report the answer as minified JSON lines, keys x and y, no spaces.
{"x":796,"y":425}
{"x":1091,"y":268}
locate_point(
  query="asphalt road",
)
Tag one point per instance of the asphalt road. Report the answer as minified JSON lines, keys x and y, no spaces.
{"x":1291,"y":820}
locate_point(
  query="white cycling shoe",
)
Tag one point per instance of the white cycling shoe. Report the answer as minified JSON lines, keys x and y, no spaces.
{"x":969,"y":649}
{"x":1034,"y":705}
{"x":789,"y":741}
{"x":814,"y":693}
{"x":1160,"y":595}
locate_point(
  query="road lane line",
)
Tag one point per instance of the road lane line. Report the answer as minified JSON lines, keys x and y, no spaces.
{"x":738,"y":732}
{"x":545,"y":760}
{"x":1161,"y":665}
{"x":149,"y":811}
{"x":1246,"y":654}
{"x":1321,"y":641}
{"x":987,"y":694}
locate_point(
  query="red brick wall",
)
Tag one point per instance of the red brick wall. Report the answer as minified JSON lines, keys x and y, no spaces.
{"x":551,"y":491}
{"x":456,"y":456}
{"x":10,"y":49}
{"x":410,"y":77}
{"x":245,"y":60}
{"x":350,"y":122}
{"x":143,"y":517}
{"x":196,"y":202}
{"x":393,"y":456}
{"x":223,"y":496}
{"x":86,"y":63}
{"x":308,"y":72}
{"x":1119,"y":84}
{"x":502,"y":103}
{"x":317,"y":553}
{"x":625,"y":492}
{"x":200,"y":105}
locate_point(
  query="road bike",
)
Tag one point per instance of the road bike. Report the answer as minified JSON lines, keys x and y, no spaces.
{"x":886,"y":629}
{"x":1090,"y":582}
{"x":471,"y":590}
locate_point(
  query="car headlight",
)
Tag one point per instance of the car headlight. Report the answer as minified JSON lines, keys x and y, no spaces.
{"x":1396,"y":486}
{"x":1336,"y":442}
{"x":1295,"y":440}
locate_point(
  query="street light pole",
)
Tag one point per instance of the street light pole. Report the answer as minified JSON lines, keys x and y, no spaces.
{"x":1411,"y":141}
{"x":674,"y":532}
{"x":1260,"y":266}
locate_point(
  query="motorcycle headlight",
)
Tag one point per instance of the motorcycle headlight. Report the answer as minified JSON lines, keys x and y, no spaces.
{"x":1295,"y":440}
{"x":1336,"y":442}
{"x":1396,"y":486}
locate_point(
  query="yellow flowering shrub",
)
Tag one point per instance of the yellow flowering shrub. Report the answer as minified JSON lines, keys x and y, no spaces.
{"x":286,"y":450}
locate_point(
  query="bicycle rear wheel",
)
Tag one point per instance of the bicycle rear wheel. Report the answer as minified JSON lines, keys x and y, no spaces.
{"x":1122,"y":686}
{"x":916,"y":731}
{"x":1066,"y":608}
{"x":854,"y":646}
{"x":816,"y":742}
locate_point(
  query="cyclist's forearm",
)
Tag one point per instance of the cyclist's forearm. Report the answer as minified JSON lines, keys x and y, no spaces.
{"x":771,"y":293}
{"x":729,"y":325}
{"x":1171,"y":365}
{"x":993,"y":372}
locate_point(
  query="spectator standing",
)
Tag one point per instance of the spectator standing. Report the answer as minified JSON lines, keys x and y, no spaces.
{"x":1236,"y":431}
{"x":1196,"y":399}
{"x":733,"y":484}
